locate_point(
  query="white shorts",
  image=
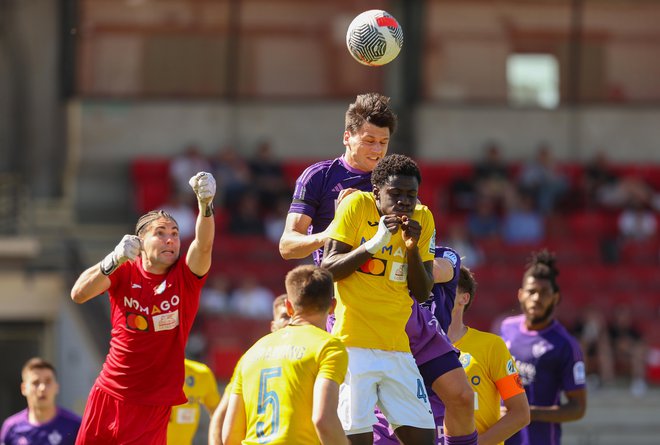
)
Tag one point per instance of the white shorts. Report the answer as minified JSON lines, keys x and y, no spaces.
{"x":389,"y":379}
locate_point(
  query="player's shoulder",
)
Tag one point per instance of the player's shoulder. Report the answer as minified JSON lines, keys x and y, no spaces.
{"x":68,"y":416}
{"x":319,"y":169}
{"x":16,"y":418}
{"x":512,"y":321}
{"x":197,"y":367}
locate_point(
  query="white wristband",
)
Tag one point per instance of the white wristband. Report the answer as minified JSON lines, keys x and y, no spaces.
{"x":380,"y":239}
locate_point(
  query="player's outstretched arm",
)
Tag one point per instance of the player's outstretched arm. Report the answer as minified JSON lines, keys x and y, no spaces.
{"x":94,"y":281}
{"x":324,"y":413}
{"x":234,"y":425}
{"x":295,"y":243}
{"x":573,"y":409}
{"x":198,"y":258}
{"x":516,"y":417}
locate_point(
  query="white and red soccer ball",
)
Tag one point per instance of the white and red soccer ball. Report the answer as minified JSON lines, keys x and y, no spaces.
{"x":374,"y":38}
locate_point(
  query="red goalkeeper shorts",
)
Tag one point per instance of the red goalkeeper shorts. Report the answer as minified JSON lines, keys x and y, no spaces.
{"x":108,"y":420}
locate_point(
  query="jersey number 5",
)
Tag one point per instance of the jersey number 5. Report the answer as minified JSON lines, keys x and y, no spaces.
{"x":266,"y":431}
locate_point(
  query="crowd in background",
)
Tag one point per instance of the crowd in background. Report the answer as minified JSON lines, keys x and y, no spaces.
{"x":512,"y":203}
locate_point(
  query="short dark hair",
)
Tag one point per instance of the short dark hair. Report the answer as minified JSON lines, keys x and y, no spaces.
{"x":542,"y":267}
{"x":467,"y":283}
{"x":37,"y":363}
{"x":309,"y":288}
{"x":373,"y":108}
{"x":145,"y":220}
{"x":394,"y":165}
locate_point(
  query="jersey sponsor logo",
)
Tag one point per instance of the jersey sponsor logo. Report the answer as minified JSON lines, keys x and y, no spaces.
{"x":475,"y":380}
{"x":526,"y":371}
{"x":451,"y":256}
{"x":579,"y":373}
{"x":135,"y":286}
{"x":373,"y":223}
{"x":185,"y":415}
{"x":374,"y":266}
{"x":465,"y":359}
{"x":163,"y":306}
{"x":399,"y":272}
{"x":55,"y":438}
{"x":510,"y":367}
{"x":166,"y":322}
{"x":136,"y":322}
{"x":541,"y":347}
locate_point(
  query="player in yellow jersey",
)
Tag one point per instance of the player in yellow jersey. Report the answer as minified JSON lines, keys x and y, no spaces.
{"x":280,"y":319}
{"x":201,"y":389}
{"x":285,"y":388}
{"x":380,"y":249}
{"x":490,"y":369}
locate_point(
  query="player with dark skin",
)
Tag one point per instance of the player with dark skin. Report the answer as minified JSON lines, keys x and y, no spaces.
{"x":396,"y":201}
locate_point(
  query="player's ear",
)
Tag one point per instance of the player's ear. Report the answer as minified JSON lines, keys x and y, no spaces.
{"x":345,"y":138}
{"x":333,"y":305}
{"x":289,"y":307}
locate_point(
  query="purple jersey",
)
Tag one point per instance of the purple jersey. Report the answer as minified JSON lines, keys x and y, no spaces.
{"x":62,"y":430}
{"x":443,"y":295}
{"x":317,"y":190}
{"x":549,"y":361}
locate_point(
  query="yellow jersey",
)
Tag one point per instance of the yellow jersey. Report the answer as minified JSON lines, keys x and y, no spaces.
{"x":492,"y":373}
{"x":200,"y":388}
{"x":276,"y":378}
{"x":373,"y":303}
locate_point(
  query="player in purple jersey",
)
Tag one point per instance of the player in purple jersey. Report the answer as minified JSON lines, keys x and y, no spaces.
{"x":549,"y":359}
{"x":42,"y":422}
{"x":369,"y":124}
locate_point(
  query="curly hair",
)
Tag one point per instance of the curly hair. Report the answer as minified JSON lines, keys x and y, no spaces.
{"x":542,"y":267}
{"x":394,"y":165}
{"x":373,"y":108}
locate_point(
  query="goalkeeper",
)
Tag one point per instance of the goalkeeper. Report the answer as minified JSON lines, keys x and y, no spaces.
{"x":154,"y":296}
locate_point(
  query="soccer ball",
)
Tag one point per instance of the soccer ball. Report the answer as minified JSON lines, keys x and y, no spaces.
{"x":374,"y":38}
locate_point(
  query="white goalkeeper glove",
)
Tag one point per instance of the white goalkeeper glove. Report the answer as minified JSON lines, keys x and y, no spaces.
{"x":127,"y":249}
{"x":203,"y":184}
{"x":380,"y":239}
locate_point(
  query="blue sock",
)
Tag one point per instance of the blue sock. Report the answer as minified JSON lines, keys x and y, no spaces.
{"x":470,"y":439}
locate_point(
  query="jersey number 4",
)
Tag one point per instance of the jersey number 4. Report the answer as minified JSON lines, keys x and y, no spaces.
{"x":266,"y":431}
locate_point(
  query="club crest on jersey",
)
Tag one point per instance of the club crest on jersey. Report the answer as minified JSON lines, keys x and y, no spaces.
{"x":136,"y":322}
{"x":465,"y":359}
{"x":579,"y":373}
{"x":190,"y":380}
{"x":374,"y":266}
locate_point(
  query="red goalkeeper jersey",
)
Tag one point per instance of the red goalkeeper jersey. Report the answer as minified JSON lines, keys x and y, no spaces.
{"x":151,"y":319}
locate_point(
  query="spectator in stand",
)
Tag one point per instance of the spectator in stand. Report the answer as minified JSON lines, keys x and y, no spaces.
{"x":252,"y":300}
{"x":268,"y":176}
{"x":459,"y":239}
{"x":637,"y":222}
{"x":275,"y":220}
{"x":186,"y":165}
{"x":542,"y":177}
{"x":483,"y":222}
{"x":247,"y":220}
{"x":215,"y":296}
{"x":491,"y":175}
{"x":234,"y":176}
{"x":592,"y":332}
{"x":179,"y":206}
{"x":604,"y":187}
{"x":629,"y":349}
{"x":522,"y":224}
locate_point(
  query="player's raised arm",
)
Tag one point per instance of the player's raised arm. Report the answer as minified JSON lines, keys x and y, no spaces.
{"x":198,"y":258}
{"x":94,"y":281}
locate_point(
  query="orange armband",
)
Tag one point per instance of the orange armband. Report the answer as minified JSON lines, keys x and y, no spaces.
{"x":509,"y":386}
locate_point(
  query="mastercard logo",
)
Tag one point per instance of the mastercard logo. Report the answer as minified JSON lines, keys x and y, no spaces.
{"x":374,"y":266}
{"x":136,"y":322}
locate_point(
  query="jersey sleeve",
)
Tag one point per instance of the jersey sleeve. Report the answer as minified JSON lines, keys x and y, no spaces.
{"x":426,"y":244}
{"x":306,"y":197}
{"x":573,"y":375}
{"x":503,"y":370}
{"x":211,"y":394}
{"x":347,"y":218}
{"x":235,"y":385}
{"x":333,"y":361}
